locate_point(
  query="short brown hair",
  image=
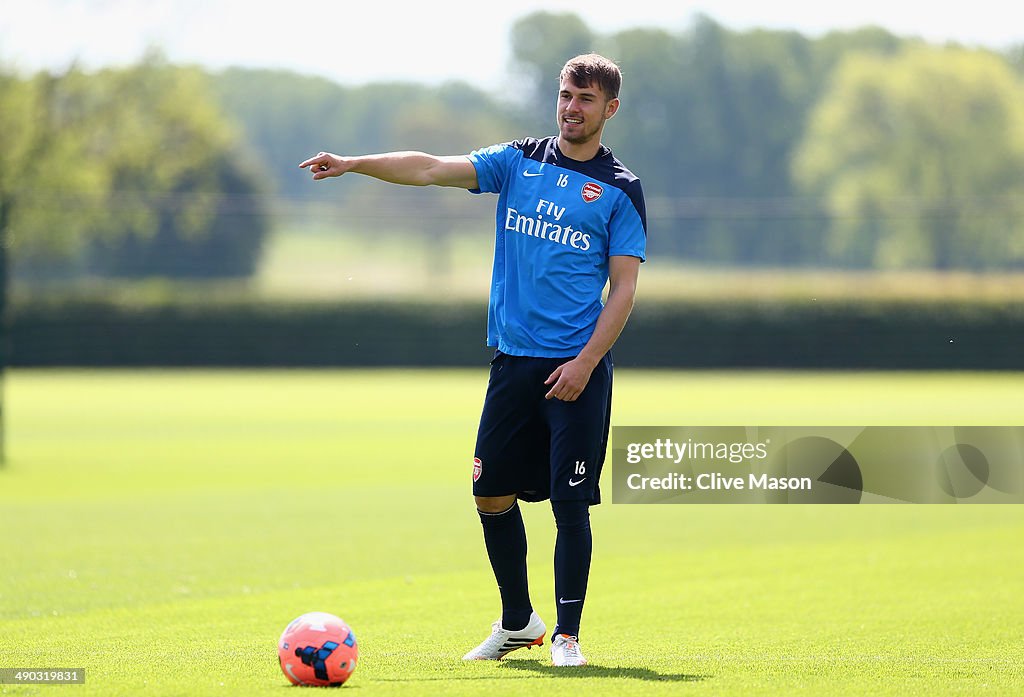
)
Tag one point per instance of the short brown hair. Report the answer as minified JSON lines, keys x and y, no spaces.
{"x":590,"y":69}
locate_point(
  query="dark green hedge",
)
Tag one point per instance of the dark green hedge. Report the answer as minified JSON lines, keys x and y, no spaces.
{"x":776,"y":334}
{"x":805,"y":334}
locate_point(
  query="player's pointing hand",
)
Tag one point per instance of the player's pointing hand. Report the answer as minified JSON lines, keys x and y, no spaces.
{"x":324,"y":165}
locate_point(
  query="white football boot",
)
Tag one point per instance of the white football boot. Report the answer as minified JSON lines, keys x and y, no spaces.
{"x":565,"y":651}
{"x":503,"y":641}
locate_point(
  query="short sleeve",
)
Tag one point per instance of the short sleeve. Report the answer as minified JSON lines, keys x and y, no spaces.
{"x":492,"y":166}
{"x":627,"y":234}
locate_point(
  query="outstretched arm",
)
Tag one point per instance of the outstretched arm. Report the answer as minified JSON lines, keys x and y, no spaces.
{"x":412,"y":168}
{"x":569,"y":379}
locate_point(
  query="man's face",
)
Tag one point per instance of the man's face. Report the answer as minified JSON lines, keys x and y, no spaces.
{"x":582,"y":111}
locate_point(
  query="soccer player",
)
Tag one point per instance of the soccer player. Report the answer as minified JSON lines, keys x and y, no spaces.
{"x":570,"y":220}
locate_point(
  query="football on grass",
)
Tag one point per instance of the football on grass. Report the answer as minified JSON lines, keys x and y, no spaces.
{"x":318,"y":649}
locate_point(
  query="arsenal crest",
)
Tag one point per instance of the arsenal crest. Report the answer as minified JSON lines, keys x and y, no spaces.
{"x":592,"y":191}
{"x":478,"y":468}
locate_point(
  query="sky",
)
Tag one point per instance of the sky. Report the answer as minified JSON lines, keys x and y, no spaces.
{"x":372,"y":40}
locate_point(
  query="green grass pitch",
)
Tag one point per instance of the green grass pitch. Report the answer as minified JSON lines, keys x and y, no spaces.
{"x":159,"y":529}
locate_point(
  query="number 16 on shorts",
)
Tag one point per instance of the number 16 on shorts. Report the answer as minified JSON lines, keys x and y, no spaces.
{"x":579,"y":474}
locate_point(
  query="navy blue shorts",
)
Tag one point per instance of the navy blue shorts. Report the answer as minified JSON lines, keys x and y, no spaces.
{"x":541,"y":448}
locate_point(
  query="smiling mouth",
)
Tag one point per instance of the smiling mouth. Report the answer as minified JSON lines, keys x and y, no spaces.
{"x":572,"y":120}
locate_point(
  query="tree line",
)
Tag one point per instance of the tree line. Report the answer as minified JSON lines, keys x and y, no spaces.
{"x":856,"y":149}
{"x":125,"y":172}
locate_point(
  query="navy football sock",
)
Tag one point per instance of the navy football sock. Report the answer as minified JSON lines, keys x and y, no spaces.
{"x":573,"y":546}
{"x":505,"y":539}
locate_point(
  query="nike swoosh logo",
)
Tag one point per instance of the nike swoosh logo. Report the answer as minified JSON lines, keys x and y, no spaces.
{"x":572,"y":483}
{"x":528,"y":173}
{"x":563,"y":601}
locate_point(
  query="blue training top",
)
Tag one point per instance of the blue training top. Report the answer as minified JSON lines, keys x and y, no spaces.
{"x":558,"y":220}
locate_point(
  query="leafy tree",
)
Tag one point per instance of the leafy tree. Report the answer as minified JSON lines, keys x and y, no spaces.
{"x":711,"y":119}
{"x":920,"y":159}
{"x":49,"y":175}
{"x":123,"y":157}
{"x":197,"y":194}
{"x":541,"y":43}
{"x":227,"y":243}
{"x":1015,"y":55}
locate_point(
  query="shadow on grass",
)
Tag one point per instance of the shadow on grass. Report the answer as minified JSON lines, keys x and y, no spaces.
{"x":543,"y":670}
{"x":596,"y":671}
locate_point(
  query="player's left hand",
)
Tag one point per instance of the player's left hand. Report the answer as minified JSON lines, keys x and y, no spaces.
{"x":569,"y":380}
